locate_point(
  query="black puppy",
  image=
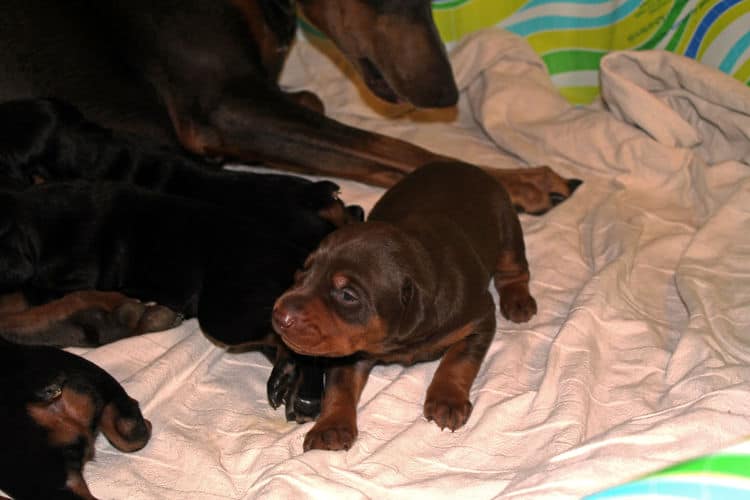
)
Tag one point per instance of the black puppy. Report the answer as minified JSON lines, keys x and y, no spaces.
{"x":209,"y":243}
{"x":196,"y":258}
{"x":47,"y":140}
{"x":52,"y":406}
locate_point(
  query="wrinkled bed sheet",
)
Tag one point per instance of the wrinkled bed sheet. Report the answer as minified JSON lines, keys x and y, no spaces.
{"x":639,"y":355}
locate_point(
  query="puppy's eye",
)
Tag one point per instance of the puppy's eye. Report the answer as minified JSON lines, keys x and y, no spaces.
{"x":346,"y":296}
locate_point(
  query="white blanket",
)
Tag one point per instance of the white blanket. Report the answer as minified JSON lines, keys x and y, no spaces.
{"x":639,"y":355}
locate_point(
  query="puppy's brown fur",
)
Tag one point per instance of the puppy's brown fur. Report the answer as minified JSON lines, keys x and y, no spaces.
{"x":410,"y":285}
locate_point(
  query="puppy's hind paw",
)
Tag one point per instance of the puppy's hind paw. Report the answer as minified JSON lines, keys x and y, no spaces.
{"x":516,"y":304}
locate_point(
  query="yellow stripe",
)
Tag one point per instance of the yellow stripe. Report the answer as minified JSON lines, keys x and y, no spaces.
{"x":625,"y":34}
{"x":579,"y":95}
{"x":459,"y":21}
{"x":743,"y":74}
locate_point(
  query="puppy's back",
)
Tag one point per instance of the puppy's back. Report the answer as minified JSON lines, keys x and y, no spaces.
{"x":447,"y":197}
{"x":457,"y":190}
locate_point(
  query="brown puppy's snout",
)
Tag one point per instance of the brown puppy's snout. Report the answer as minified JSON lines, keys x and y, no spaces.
{"x":282,"y":318}
{"x":287,"y":312}
{"x":296,"y":322}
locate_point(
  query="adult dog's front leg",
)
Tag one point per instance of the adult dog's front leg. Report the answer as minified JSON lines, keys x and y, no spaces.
{"x":336,"y":428}
{"x":265,"y":124}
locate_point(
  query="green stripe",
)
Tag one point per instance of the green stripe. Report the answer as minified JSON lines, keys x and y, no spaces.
{"x":678,"y":35}
{"x":448,"y":5}
{"x":669,"y":21}
{"x":564,"y":61}
{"x":736,"y":465}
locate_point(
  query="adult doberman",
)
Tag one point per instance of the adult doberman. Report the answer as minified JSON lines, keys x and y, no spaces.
{"x":204,"y":73}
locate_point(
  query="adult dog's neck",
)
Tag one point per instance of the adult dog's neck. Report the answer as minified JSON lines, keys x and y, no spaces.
{"x":281,"y":17}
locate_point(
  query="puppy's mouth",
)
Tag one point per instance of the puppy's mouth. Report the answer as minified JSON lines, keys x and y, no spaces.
{"x":317,"y":348}
{"x":297,"y":347}
{"x":376,"y":82}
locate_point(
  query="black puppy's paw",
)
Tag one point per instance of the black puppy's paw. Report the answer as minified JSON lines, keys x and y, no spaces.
{"x":281,"y":382}
{"x":300,"y":394}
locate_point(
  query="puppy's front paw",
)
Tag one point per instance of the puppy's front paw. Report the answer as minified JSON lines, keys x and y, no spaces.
{"x":516,"y":304}
{"x":331,"y":434}
{"x":447,"y":410}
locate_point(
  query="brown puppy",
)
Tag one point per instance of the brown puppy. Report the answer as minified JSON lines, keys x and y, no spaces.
{"x":409,"y":285}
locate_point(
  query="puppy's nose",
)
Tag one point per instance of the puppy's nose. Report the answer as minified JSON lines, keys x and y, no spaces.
{"x":282,"y":318}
